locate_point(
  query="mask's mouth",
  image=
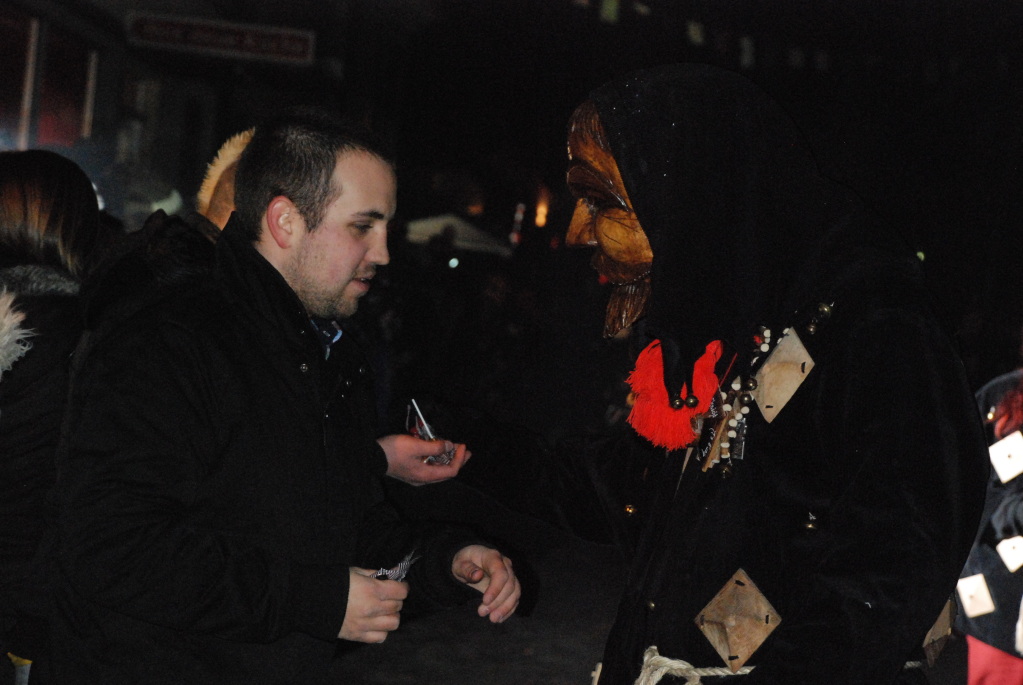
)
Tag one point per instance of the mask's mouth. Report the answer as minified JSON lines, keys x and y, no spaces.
{"x":618,"y":273}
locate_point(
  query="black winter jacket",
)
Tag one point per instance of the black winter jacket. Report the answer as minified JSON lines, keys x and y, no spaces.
{"x":35,"y":360}
{"x":220,"y":480}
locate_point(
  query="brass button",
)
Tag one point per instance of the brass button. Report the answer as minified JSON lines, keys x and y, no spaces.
{"x":304,"y":368}
{"x":650,"y":605}
{"x":811,"y":522}
{"x":630,"y":509}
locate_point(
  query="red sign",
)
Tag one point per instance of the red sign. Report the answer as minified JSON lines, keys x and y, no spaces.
{"x":221,"y":38}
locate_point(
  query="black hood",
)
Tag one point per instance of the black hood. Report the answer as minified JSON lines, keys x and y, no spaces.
{"x":731,"y":200}
{"x":166,"y":252}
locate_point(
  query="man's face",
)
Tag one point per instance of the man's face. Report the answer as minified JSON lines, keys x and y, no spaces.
{"x":604,"y":218}
{"x":334,"y":263}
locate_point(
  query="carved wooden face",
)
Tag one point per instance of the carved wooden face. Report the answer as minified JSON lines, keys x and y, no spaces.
{"x":604,"y":219}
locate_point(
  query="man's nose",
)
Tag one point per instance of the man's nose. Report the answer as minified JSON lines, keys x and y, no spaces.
{"x":377,"y":253}
{"x":580,"y":229}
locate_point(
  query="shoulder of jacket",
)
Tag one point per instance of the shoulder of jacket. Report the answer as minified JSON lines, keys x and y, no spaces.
{"x":32,"y":280}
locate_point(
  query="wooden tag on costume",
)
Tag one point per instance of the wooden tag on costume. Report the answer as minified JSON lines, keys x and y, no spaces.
{"x":1007,"y":456}
{"x":939,"y":633}
{"x":975,"y":596}
{"x":1011,"y":552}
{"x":784,"y":370}
{"x":738,"y":620}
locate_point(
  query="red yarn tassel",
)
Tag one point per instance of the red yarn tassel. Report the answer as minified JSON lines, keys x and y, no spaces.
{"x":652,"y":415}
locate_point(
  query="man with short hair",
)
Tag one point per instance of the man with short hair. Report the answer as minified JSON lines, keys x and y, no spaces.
{"x":222,"y":519}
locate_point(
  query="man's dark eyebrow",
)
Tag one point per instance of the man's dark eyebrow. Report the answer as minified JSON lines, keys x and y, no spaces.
{"x":370,"y":214}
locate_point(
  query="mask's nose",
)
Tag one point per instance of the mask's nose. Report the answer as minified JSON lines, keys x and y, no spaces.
{"x":580,"y":229}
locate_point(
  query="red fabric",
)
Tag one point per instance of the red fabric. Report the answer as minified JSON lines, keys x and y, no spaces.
{"x":652,"y":414}
{"x":987,"y":665}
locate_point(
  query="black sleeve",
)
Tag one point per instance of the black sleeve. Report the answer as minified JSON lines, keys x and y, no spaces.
{"x":142,"y":437}
{"x":901,"y":426}
{"x":1007,"y":517}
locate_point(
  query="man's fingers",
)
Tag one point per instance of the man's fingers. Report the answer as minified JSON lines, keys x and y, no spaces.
{"x":462,"y":455}
{"x":506,"y":601}
{"x":376,"y":629}
{"x":374,"y":606}
{"x":501,"y":574}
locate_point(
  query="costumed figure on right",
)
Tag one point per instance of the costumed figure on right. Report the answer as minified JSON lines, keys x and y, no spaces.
{"x":823,"y":464}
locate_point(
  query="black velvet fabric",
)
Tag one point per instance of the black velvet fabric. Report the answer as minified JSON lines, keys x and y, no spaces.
{"x":854,"y":510}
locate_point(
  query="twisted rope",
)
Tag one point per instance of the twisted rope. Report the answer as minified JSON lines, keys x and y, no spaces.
{"x":656,"y":667}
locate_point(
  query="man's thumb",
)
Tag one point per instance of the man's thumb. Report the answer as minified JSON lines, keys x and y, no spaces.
{"x":471,"y":573}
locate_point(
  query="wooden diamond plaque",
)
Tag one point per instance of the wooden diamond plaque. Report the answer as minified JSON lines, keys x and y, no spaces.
{"x":738,"y":620}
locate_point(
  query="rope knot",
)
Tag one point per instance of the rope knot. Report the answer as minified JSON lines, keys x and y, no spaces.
{"x":656,"y":667}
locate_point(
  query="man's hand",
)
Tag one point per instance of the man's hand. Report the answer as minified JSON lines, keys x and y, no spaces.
{"x":373,"y":606}
{"x":406,"y":459}
{"x":491,"y":573}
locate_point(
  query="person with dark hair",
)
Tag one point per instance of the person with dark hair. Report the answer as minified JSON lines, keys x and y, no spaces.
{"x":222,"y":517}
{"x":50,"y":236}
{"x":822,"y":469}
{"x":991,"y":590}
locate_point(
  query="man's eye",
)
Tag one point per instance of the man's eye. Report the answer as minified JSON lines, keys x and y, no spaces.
{"x":364,"y":228}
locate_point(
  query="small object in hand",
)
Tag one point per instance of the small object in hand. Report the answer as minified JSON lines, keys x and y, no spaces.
{"x":418,"y":427}
{"x":400,"y":571}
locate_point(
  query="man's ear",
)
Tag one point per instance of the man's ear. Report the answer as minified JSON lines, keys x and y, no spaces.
{"x":284,"y":223}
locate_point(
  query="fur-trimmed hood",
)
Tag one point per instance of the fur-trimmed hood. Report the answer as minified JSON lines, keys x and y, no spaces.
{"x":25,"y":281}
{"x":14,"y":340}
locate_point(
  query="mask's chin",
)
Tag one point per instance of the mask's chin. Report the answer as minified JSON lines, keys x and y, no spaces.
{"x":629,"y":295}
{"x":627,"y":304}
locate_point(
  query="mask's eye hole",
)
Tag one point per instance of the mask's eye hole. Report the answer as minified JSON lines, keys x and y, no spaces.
{"x":598,"y":192}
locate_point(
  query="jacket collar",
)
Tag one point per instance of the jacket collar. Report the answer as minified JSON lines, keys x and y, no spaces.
{"x":257,"y":287}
